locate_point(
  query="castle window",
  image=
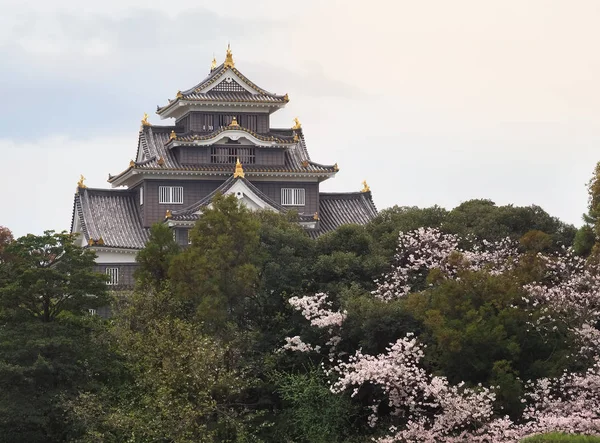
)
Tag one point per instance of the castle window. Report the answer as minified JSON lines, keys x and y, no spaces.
{"x":170,"y":194}
{"x":293,"y":196}
{"x":141,"y":195}
{"x":113,"y":276}
{"x":229,"y":155}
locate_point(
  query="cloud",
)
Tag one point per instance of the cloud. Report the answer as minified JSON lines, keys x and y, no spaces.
{"x":39,"y":177}
{"x":430,"y":105}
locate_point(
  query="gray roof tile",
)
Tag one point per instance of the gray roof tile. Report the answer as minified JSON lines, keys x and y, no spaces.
{"x":337,"y":209}
{"x":153,"y":143}
{"x":111,"y":215}
{"x":194,"y":94}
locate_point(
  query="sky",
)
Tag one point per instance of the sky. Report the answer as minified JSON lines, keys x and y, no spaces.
{"x":431,"y":101}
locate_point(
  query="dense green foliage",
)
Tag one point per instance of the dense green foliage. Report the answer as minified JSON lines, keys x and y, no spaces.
{"x":561,"y":438}
{"x":192,"y":354}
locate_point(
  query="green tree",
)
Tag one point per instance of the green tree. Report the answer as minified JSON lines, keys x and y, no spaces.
{"x":477,"y":220}
{"x":391,"y":221}
{"x":155,"y":259}
{"x":46,"y":275}
{"x":6,"y":238}
{"x":311,"y":413}
{"x":219,"y":272}
{"x":584,"y":240}
{"x":476,"y":333}
{"x":44,"y":367}
{"x":593,"y":215}
{"x":346,"y":257}
{"x":186,"y":386}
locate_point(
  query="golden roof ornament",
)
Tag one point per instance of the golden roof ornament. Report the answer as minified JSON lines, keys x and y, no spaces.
{"x":336,"y":168}
{"x":316,"y":216}
{"x":168,"y":214}
{"x":131,"y":164}
{"x":229,"y":58}
{"x":239,"y":170}
{"x":297,"y":124}
{"x":179,"y":95}
{"x":305,"y":163}
{"x":296,"y":138}
{"x":366,"y":187}
{"x":99,"y":242}
{"x":145,"y":121}
{"x":286,"y":98}
{"x":80,"y":183}
{"x":233,"y":123}
{"x":213,"y":65}
{"x":173,"y":136}
{"x":160,"y":161}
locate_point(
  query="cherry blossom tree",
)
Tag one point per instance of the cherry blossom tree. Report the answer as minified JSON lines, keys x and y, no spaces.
{"x":426,"y":407}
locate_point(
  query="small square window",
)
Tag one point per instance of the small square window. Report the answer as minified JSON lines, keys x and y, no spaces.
{"x":293,"y":196}
{"x":170,"y":194}
{"x":113,"y":276}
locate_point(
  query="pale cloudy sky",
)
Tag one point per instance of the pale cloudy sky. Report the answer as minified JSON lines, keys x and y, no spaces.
{"x":433,"y":102}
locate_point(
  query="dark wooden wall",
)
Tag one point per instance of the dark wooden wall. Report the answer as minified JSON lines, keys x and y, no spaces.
{"x":273,"y":190}
{"x":126,"y":271}
{"x":201,"y":121}
{"x":200,"y":155}
{"x":193,"y":191}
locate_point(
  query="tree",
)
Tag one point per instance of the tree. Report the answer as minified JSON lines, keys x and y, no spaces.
{"x":43,"y":368}
{"x":491,"y":314}
{"x":584,"y":240}
{"x":477,"y":220}
{"x":6,"y":238}
{"x":186,"y":386}
{"x":391,"y":221}
{"x":46,"y":275}
{"x":155,"y":259}
{"x":219,"y":272}
{"x":347,"y":256}
{"x":593,"y":215}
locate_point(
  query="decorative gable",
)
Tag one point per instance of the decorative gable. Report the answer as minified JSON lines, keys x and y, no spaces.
{"x":249,"y":197}
{"x":229,"y":85}
{"x":230,"y":81}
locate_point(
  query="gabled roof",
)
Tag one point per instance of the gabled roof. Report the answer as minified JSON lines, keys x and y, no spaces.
{"x":337,"y":209}
{"x":232,"y":131}
{"x":224,"y":84}
{"x":154,"y":156}
{"x":109,"y":218}
{"x":190,"y":213}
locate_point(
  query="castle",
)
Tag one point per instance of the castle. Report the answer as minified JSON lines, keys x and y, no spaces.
{"x":221,"y":142}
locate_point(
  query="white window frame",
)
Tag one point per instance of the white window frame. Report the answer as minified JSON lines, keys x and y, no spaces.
{"x":293,"y":197}
{"x":141,"y":195}
{"x":167,"y":195}
{"x":113,"y":274}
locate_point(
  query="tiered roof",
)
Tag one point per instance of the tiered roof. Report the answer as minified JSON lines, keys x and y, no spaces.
{"x":224,"y":85}
{"x":109,"y":218}
{"x":155,"y":156}
{"x":112,"y":219}
{"x":337,"y":209}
